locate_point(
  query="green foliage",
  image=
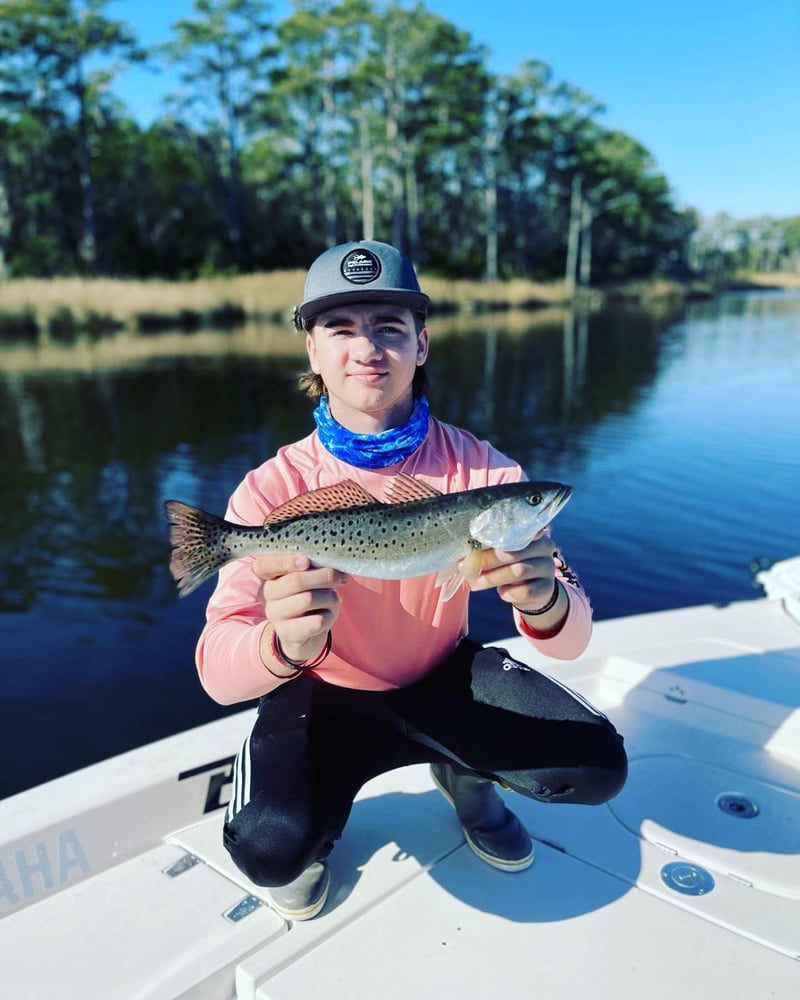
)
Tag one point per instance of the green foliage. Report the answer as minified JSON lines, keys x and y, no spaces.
{"x":723,"y":245}
{"x":344,"y":120}
{"x":45,"y":83}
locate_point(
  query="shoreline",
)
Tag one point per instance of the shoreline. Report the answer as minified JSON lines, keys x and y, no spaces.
{"x":36,"y":312}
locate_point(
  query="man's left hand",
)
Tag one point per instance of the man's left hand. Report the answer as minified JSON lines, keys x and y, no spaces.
{"x":525,"y":579}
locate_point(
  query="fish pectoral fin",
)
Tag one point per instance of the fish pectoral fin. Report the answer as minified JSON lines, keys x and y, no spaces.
{"x":403,"y":488}
{"x":466,"y":571}
{"x":344,"y":494}
{"x":450,"y":580}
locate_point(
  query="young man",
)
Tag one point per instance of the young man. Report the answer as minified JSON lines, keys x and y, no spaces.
{"x":355,"y":676}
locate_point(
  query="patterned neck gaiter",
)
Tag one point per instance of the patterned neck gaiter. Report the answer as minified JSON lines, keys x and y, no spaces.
{"x":372,"y":451}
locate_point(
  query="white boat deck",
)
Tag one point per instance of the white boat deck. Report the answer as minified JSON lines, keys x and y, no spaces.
{"x":686,"y":885}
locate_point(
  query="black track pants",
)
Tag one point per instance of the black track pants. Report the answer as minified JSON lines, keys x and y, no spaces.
{"x":314,"y":745}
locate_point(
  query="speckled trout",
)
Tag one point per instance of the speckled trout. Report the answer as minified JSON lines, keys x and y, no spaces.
{"x":414,"y":531}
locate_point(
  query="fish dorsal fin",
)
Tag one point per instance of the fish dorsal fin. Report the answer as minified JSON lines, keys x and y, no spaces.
{"x":344,"y":494}
{"x":403,"y":489}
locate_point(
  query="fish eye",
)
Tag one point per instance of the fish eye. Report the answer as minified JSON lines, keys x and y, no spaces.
{"x":534,"y":499}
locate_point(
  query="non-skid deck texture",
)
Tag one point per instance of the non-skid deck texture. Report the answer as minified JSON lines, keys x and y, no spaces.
{"x":709,"y":711}
{"x":133,"y":931}
{"x":562,"y":930}
{"x":414,"y":914}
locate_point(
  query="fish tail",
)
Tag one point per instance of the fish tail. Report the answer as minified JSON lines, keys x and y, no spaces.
{"x":198,"y":545}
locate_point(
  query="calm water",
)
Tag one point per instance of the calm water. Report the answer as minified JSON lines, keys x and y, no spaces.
{"x":680,"y":435}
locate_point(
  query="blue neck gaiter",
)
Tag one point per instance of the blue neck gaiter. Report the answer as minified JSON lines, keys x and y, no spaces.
{"x":372,"y":451}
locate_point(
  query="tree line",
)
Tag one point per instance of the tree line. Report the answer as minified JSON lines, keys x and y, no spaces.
{"x":344,"y":120}
{"x":723,"y":244}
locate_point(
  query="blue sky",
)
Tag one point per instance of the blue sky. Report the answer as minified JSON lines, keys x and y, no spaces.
{"x":710,"y":87}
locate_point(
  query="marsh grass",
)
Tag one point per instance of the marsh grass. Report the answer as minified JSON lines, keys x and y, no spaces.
{"x":777,"y":279}
{"x":63,"y":310}
{"x":60,"y":308}
{"x":458,"y":295}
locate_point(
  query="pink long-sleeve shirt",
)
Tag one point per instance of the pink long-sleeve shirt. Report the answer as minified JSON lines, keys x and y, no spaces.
{"x":389,"y":633}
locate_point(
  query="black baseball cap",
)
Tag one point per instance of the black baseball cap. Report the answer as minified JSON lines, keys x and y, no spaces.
{"x":358,"y":272}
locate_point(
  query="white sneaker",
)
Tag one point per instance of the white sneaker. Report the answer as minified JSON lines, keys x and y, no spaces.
{"x":492,"y":831}
{"x":303,"y":898}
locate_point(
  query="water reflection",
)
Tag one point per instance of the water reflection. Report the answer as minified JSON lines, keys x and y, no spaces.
{"x":534,"y":392}
{"x":621,"y":404}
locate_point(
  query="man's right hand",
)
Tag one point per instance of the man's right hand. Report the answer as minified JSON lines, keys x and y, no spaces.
{"x":301,"y":603}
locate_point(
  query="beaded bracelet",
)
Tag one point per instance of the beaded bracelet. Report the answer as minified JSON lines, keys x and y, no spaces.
{"x":546,"y":607}
{"x":281,"y":657}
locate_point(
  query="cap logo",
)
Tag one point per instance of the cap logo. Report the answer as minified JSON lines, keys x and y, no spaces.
{"x":360,"y":267}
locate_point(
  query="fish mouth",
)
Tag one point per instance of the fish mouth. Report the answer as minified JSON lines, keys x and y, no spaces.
{"x":559,"y":500}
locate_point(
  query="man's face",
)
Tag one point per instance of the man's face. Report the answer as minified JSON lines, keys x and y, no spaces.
{"x":366,"y":354}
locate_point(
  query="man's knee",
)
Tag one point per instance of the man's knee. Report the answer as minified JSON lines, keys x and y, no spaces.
{"x":268,"y":860}
{"x":597,"y":778}
{"x":609,"y":774}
